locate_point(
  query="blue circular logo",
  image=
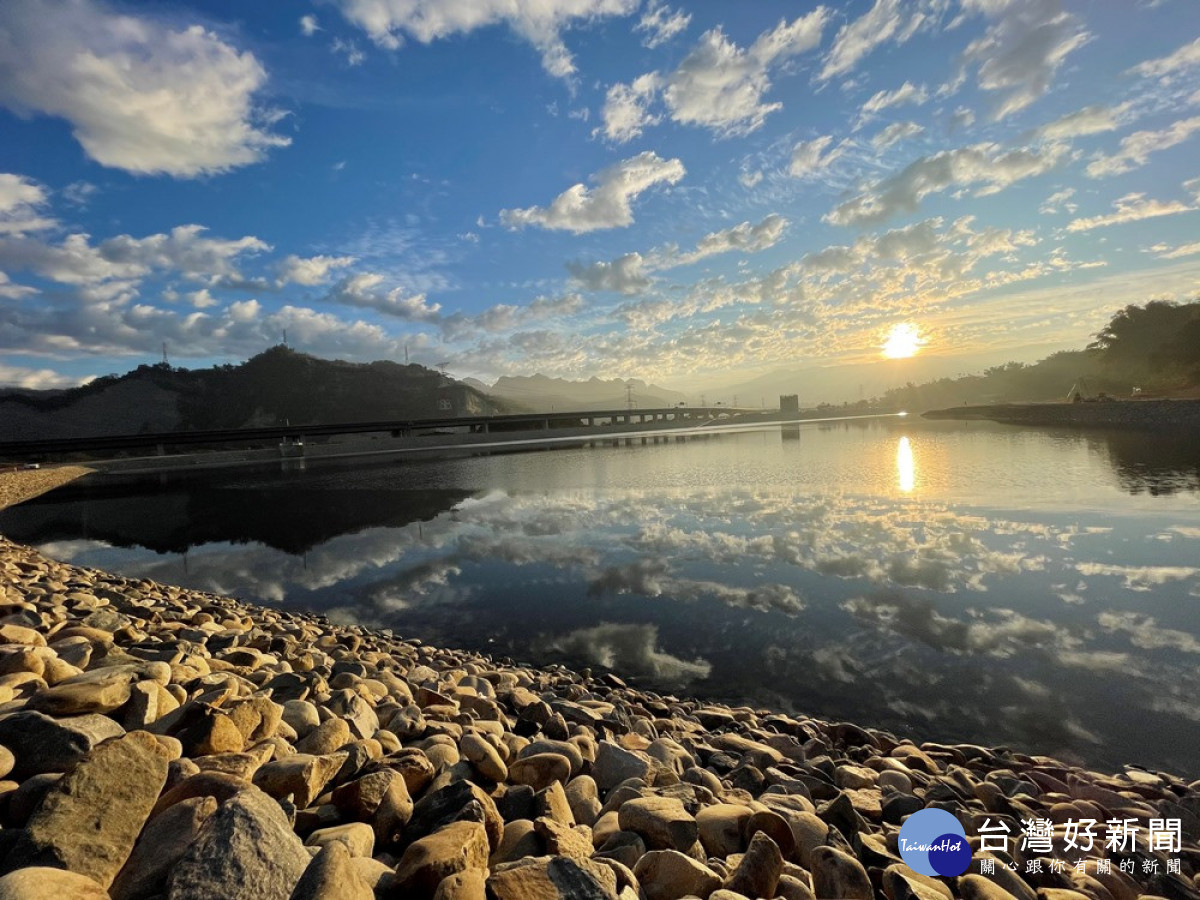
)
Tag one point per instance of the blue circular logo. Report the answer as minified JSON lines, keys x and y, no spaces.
{"x":933,"y":842}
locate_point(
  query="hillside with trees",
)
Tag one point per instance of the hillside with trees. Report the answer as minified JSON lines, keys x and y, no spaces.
{"x":279,"y":385}
{"x":1149,"y":351}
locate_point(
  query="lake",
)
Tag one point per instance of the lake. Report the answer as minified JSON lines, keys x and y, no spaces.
{"x":945,"y":581}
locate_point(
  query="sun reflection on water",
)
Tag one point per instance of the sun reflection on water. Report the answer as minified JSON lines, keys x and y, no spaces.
{"x":906,"y":471}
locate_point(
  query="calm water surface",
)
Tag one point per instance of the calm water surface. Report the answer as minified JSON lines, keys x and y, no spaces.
{"x":944,"y":581}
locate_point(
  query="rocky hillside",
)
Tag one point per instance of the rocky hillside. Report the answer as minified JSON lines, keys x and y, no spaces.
{"x":275,"y":386}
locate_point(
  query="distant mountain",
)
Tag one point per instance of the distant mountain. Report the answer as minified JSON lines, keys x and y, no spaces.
{"x":276,"y":386}
{"x":539,"y":393}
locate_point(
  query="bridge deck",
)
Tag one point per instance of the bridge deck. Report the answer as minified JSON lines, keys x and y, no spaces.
{"x":176,"y":439}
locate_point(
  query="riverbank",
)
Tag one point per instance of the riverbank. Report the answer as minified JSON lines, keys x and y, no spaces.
{"x":25,"y":484}
{"x":278,"y":755}
{"x":1143,"y":415}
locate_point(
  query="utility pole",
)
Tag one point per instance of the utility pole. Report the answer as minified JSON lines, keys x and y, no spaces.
{"x":165,"y":363}
{"x":285,"y":337}
{"x":406,"y":354}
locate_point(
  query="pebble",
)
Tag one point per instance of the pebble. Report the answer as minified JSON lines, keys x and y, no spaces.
{"x":162,"y":743}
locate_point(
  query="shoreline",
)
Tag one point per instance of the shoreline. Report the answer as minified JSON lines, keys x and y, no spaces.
{"x":263,"y":737}
{"x":1182,"y":416}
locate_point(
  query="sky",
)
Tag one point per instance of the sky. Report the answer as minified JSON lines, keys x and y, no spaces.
{"x":685,"y":192}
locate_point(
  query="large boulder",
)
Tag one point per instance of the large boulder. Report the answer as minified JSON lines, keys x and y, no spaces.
{"x":90,"y":820}
{"x":245,"y":851}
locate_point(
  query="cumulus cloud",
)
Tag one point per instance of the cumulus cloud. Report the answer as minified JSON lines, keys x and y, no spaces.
{"x":388,"y":22}
{"x":987,"y":165}
{"x":366,"y":290}
{"x":661,"y":23}
{"x":1135,"y":149}
{"x":629,"y":274}
{"x":894,"y":134}
{"x":1165,"y":251}
{"x":887,"y":20}
{"x":507,"y":316}
{"x":1059,"y":201}
{"x":627,"y":108}
{"x":1185,"y":57}
{"x":185,"y":250}
{"x":624,"y":275}
{"x":1089,"y":120}
{"x":1022,"y":50}
{"x":746,"y":237}
{"x":312,"y":270}
{"x":37,"y":379}
{"x":139,"y":95}
{"x":720,"y":85}
{"x":1130,"y":208}
{"x":608,"y":204}
{"x":811,"y":157}
{"x":881,"y":100}
{"x":309,"y":26}
{"x":21,"y":201}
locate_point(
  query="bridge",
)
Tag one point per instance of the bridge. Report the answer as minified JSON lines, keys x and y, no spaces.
{"x":175,"y":441}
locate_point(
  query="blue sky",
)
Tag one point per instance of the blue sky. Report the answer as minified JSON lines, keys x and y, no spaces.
{"x":685,"y":192}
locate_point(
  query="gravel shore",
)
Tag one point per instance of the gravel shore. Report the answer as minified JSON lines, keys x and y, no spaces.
{"x":25,"y":484}
{"x":163,"y":743}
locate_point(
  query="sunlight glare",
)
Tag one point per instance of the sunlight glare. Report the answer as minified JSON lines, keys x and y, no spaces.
{"x":903,"y":341}
{"x":906,"y":471}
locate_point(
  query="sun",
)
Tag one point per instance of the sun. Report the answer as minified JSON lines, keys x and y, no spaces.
{"x":903,"y":341}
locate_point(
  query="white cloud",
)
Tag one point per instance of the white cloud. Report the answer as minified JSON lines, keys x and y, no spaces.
{"x":629,"y":274}
{"x":349,"y":51}
{"x":894,"y":134}
{"x":986,"y":165}
{"x":1184,"y":58}
{"x":661,"y":23}
{"x":624,"y":275}
{"x":309,"y":26}
{"x":541,"y":23}
{"x":1023,"y":48}
{"x":720,"y":85}
{"x":627,"y":108}
{"x":750,"y":179}
{"x":810,"y":157}
{"x":37,"y":379}
{"x":906,"y":93}
{"x":1136,"y":148}
{"x":21,"y":199}
{"x":606,"y":205}
{"x":140,"y":96}
{"x":1165,"y":251}
{"x":79,"y":193}
{"x":1131,"y":208}
{"x":744,"y":237}
{"x":366,"y":290}
{"x":887,"y":20}
{"x":1089,"y":120}
{"x":312,"y":270}
{"x":11,"y":291}
{"x":123,"y":260}
{"x":1057,"y":202}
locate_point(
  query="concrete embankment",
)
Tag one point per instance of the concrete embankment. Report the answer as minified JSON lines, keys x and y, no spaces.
{"x":1143,"y":415}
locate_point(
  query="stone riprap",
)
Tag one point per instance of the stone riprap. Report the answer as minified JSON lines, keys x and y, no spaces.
{"x":163,"y":743}
{"x":24,"y":484}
